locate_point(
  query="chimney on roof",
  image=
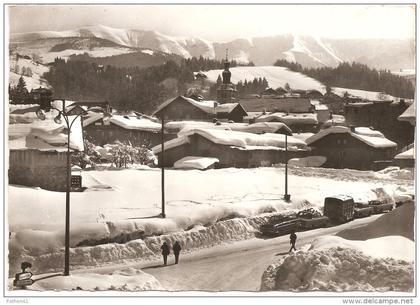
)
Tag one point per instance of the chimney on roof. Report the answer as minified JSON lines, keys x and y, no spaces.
{"x":352,"y":128}
{"x":215,"y":104}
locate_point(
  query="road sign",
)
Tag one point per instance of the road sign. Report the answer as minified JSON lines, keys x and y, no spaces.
{"x":21,"y":283}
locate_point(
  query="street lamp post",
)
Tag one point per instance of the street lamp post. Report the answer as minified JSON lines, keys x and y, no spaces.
{"x":286,"y":161}
{"x":162,"y":165}
{"x":76,"y":111}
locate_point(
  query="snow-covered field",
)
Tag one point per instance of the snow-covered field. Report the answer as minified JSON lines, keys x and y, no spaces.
{"x":279,"y":76}
{"x":122,"y":205}
{"x":276,"y":77}
{"x":378,"y":256}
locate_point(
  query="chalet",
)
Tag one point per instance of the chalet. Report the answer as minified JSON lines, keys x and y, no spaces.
{"x":357,"y":148}
{"x":232,"y":148}
{"x":382,"y":116}
{"x":284,"y":104}
{"x":281,"y":91}
{"x":137,"y":130}
{"x":406,"y":159}
{"x":38,"y":149}
{"x":184,"y":108}
{"x":176,"y":127}
{"x":269,"y":93}
{"x":298,"y":122}
{"x":314,"y":94}
{"x":409,"y":115}
{"x":323,"y":114}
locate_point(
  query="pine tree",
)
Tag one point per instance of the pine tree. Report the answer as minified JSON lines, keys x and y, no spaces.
{"x":20,"y":92}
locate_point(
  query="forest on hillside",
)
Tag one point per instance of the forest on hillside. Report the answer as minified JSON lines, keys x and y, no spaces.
{"x":355,"y":76}
{"x":126,"y":88}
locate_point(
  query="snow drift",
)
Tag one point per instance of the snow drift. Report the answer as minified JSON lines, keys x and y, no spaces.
{"x":338,"y":269}
{"x":129,"y":279}
{"x":400,"y":221}
{"x":139,"y":249}
{"x":195,"y":162}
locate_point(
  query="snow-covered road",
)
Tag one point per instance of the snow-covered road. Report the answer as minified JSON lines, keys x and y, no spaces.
{"x":233,"y":266}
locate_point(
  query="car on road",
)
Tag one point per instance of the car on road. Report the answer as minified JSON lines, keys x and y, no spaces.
{"x":362,"y":209}
{"x":311,"y":219}
{"x":280,"y":226}
{"x":380,"y":206}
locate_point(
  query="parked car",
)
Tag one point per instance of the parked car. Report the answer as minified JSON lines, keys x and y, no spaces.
{"x":362,"y":209}
{"x":311,"y":219}
{"x":380,"y":207}
{"x":280,"y":228}
{"x":339,"y":208}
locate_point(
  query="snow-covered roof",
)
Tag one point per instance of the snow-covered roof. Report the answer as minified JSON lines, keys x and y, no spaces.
{"x":289,"y":119}
{"x":131,"y":122}
{"x":193,"y":162}
{"x":262,"y":127}
{"x":408,"y":154}
{"x":409,"y":114}
{"x":370,"y":137}
{"x":321,"y":107}
{"x":239,"y":139}
{"x":181,"y":140}
{"x":211,"y":107}
{"x":27,"y":131}
{"x":135,"y":123}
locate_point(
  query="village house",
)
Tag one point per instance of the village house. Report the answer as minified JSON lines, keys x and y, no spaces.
{"x":382,"y":116}
{"x":38,"y":149}
{"x":406,"y":158}
{"x":356,"y":148}
{"x":176,"y":127}
{"x":133,"y":129}
{"x":269,"y":93}
{"x":231,"y":148}
{"x":283,"y":104}
{"x":314,"y":94}
{"x":297,"y":122}
{"x":183,"y":108}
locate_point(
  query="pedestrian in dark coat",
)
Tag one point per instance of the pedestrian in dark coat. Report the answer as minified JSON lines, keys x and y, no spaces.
{"x":177,"y":250}
{"x":165,"y":252}
{"x":293,"y":238}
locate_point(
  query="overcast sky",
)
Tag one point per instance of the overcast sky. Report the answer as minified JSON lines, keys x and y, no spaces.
{"x":225,"y":22}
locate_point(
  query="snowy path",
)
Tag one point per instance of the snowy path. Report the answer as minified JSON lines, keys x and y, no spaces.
{"x":233,"y":266}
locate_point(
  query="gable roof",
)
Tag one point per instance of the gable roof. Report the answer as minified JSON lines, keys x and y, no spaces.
{"x":374,"y":139}
{"x":289,"y":119}
{"x":409,"y":114}
{"x":210,"y":107}
{"x":238,"y":139}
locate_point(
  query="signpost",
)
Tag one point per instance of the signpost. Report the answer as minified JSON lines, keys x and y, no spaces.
{"x":23,"y":279}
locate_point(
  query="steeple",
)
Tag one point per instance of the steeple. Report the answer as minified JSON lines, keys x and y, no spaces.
{"x":226,"y":73}
{"x":226,"y":92}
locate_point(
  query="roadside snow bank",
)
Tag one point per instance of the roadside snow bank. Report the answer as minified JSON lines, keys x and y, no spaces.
{"x":140,"y":249}
{"x":402,"y":247}
{"x":338,"y":269}
{"x":399,"y":221}
{"x":129,"y":279}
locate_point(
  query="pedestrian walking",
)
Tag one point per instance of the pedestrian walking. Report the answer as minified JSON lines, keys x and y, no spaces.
{"x":165,"y":252}
{"x":293,"y":238}
{"x":177,"y":250}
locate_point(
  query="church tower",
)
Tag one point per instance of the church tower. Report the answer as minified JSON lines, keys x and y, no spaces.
{"x":226,"y":92}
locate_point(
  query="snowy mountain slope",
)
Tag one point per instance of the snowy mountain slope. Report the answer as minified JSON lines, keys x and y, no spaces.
{"x":35,"y":80}
{"x":307,"y":50}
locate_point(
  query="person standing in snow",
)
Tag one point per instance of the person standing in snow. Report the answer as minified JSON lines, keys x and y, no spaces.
{"x":293,"y":238}
{"x":177,"y":250}
{"x":165,"y":252}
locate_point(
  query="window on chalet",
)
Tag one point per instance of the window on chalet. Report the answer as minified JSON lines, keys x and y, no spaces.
{"x":338,"y":141}
{"x":344,"y":141}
